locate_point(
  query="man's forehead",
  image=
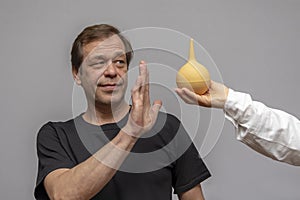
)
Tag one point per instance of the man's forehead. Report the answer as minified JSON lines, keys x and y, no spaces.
{"x":107,"y":45}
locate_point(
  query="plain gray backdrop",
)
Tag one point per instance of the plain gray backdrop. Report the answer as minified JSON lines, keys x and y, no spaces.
{"x":255,"y":44}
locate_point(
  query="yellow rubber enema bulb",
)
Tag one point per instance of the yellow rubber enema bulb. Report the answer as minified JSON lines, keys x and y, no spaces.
{"x":193,"y":75}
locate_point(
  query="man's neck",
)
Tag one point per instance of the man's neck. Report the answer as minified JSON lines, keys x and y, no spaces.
{"x":106,"y":113}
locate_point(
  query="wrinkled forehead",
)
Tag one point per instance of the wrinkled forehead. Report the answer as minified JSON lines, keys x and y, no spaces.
{"x":107,"y":47}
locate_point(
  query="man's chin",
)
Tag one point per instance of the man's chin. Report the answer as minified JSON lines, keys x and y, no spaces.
{"x":109,"y":101}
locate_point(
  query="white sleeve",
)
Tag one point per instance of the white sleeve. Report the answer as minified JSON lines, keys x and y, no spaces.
{"x":271,"y":132}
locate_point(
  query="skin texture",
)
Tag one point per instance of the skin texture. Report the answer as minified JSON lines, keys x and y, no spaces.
{"x":193,"y":194}
{"x":103,"y":76}
{"x":215,"y":97}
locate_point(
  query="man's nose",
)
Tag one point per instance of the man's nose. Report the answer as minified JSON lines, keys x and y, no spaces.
{"x":110,"y":69}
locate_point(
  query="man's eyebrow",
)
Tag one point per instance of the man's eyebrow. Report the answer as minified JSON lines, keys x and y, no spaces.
{"x":118,"y":54}
{"x":97,"y":56}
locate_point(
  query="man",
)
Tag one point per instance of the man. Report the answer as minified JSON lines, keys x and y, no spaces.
{"x":271,"y":132}
{"x":92,"y":156}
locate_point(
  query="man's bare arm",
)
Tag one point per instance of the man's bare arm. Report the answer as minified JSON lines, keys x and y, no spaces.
{"x":89,"y":177}
{"x":193,"y":194}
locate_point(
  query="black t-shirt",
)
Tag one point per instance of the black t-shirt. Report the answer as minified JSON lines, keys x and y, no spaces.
{"x":164,"y":158}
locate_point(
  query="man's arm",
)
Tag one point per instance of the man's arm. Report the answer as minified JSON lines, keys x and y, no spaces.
{"x":193,"y":194}
{"x":271,"y":132}
{"x":89,"y":177}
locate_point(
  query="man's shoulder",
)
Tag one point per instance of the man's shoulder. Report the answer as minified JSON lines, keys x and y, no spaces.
{"x":59,"y":124}
{"x":57,"y":127}
{"x":168,"y":119}
{"x":167,"y":124}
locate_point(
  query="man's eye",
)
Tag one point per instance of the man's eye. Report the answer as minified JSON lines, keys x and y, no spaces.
{"x":119,"y":63}
{"x":98,"y":63}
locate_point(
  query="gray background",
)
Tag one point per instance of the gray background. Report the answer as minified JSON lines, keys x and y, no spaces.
{"x":255,"y":44}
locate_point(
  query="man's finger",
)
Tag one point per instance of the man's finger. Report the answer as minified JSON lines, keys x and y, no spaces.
{"x":146,"y":91}
{"x":135,"y":91}
{"x":155,"y":109}
{"x":157,"y":104}
{"x":143,"y":75}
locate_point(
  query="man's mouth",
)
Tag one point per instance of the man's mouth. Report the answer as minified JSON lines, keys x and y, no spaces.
{"x":109,"y":86}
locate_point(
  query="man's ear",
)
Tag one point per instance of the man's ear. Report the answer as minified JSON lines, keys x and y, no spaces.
{"x":76,"y":75}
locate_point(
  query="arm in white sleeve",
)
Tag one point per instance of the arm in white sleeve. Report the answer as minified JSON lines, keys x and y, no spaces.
{"x":271,"y":132}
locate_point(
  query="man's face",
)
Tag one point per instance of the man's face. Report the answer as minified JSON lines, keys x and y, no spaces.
{"x":103,"y":73}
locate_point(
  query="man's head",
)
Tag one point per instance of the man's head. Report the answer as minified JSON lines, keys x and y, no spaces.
{"x":100,"y":58}
{"x":96,"y":33}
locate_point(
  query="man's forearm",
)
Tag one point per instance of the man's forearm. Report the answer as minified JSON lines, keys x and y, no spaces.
{"x":89,"y":177}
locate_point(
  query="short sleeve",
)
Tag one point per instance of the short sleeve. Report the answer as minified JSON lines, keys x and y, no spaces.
{"x":189,"y":170}
{"x":52,"y":155}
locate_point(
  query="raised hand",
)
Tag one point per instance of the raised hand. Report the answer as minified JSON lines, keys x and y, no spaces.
{"x":143,"y":115}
